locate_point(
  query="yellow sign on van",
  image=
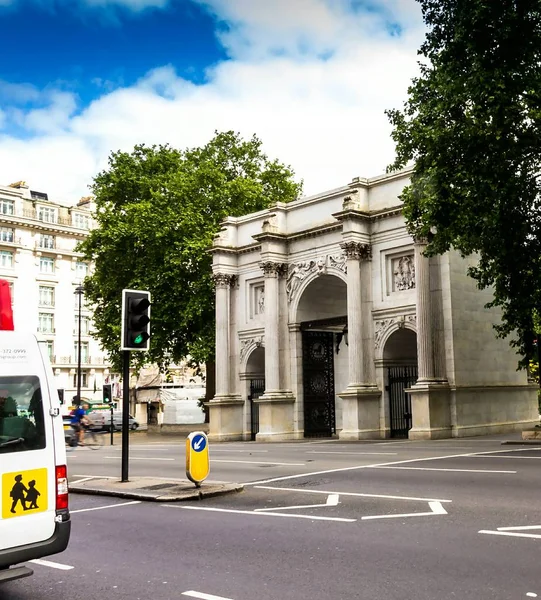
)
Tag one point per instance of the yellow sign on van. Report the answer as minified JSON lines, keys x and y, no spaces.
{"x":24,"y":493}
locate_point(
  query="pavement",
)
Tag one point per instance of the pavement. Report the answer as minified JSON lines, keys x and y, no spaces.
{"x":152,"y":489}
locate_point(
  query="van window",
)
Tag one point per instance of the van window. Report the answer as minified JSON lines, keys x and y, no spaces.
{"x":22,"y":422}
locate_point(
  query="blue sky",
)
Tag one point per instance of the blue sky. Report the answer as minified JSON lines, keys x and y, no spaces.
{"x":310,"y":77}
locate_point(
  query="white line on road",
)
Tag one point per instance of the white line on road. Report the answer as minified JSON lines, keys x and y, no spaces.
{"x":258,"y":462}
{"x":510,"y":534}
{"x":266,"y":514}
{"x":332,"y":500}
{"x":437,"y":509}
{"x":84,"y":479}
{"x":519,"y":528}
{"x":52,"y":565}
{"x":354,"y":453}
{"x":140,"y":458}
{"x":203,"y":596}
{"x":104,"y":507}
{"x":241,"y":451}
{"x":267,"y":487}
{"x":512,"y":457}
{"x":358,"y":467}
{"x":451,"y":470}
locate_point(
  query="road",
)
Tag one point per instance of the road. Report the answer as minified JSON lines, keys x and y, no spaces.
{"x":456,"y":519}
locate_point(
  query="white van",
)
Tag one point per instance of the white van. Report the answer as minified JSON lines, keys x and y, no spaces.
{"x":34,"y":514}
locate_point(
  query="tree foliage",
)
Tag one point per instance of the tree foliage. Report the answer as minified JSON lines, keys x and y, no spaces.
{"x":472,"y":126}
{"x":157,"y":211}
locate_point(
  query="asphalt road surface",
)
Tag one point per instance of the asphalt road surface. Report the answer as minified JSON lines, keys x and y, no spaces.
{"x":453,"y":519}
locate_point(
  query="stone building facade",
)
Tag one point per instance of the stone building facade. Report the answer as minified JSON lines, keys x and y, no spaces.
{"x":331,"y":321}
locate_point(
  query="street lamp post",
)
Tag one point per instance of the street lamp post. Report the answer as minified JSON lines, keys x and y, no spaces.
{"x":79,"y":292}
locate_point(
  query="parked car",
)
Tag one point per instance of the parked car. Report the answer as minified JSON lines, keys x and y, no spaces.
{"x":101,"y":419}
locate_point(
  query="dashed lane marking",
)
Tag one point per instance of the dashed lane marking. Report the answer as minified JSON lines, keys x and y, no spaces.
{"x":80,"y":510}
{"x":450,"y":470}
{"x":437,"y":509}
{"x":51,"y":564}
{"x":203,"y":596}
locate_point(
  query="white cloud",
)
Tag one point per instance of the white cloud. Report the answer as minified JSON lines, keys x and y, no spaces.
{"x":323,"y":115}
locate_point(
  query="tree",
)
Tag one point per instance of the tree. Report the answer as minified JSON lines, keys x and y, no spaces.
{"x":472,"y":126}
{"x":157,"y":211}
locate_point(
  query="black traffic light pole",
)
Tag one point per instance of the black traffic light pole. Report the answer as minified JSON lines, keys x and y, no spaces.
{"x":125,"y":412}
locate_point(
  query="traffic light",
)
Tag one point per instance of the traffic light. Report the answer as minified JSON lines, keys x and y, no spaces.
{"x":135,"y":333}
{"x":108,"y":393}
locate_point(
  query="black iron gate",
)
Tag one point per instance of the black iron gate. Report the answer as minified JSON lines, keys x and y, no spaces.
{"x":318,"y":383}
{"x":257,"y":388}
{"x":400,"y":378}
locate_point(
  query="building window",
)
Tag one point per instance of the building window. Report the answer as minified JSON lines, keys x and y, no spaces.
{"x":81,"y":269}
{"x":47,"y":214}
{"x":46,"y":264}
{"x":84,"y":379}
{"x":7,"y":207}
{"x":49,"y":345}
{"x":84,"y":352}
{"x":46,"y":323}
{"x":46,"y":241}
{"x":46,"y":295}
{"x":6,"y":259}
{"x":6,"y":234}
{"x":81,"y":221}
{"x":85,"y":326}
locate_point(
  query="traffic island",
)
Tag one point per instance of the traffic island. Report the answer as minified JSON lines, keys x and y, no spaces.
{"x":152,"y":489}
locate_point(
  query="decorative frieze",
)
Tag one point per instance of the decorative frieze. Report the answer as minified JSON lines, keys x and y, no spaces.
{"x":298,"y":272}
{"x":248,"y":343}
{"x":224,"y":280}
{"x":381,"y":326}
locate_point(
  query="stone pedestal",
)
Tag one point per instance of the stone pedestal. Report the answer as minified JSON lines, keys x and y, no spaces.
{"x":226,"y":418}
{"x":276,"y":417}
{"x":360,"y":414}
{"x":431,"y":411}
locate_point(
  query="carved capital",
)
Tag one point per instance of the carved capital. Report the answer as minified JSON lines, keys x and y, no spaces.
{"x":356,"y":250}
{"x":273,"y":269}
{"x":224,"y":280}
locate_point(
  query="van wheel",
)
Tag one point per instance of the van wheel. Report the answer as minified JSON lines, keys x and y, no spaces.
{"x":134,"y":427}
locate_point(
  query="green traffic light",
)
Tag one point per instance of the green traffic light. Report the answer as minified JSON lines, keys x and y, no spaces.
{"x":138,"y":339}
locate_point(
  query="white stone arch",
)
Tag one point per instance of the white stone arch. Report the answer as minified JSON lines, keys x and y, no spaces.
{"x":247,"y":347}
{"x":294,"y":303}
{"x":384,"y":329}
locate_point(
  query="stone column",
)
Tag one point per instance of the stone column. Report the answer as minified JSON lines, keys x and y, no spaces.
{"x":425,"y":346}
{"x":226,"y":409}
{"x":353,"y":252}
{"x":361,"y":399}
{"x":430,"y":399}
{"x":276,"y":418}
{"x":272,"y":271}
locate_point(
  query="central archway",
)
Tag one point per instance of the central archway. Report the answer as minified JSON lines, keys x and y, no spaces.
{"x":322,"y":316}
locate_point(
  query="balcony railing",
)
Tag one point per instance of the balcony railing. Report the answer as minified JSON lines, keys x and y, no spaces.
{"x":85,"y":360}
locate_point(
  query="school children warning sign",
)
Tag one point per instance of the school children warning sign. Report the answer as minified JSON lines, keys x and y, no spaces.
{"x":24,"y":493}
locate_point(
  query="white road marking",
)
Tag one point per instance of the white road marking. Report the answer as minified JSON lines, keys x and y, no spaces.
{"x":266,"y":514}
{"x":241,"y":451}
{"x":104,"y":507}
{"x":52,"y":565}
{"x":519,"y":528}
{"x":356,"y":494}
{"x":332,"y":500}
{"x":512,"y":457}
{"x":437,"y":509}
{"x":450,"y":470}
{"x":354,"y":453}
{"x":257,"y":462}
{"x":202,"y":596}
{"x":510,"y":534}
{"x":140,"y":458}
{"x":531,"y":594}
{"x":358,"y":467}
{"x":83,"y":479}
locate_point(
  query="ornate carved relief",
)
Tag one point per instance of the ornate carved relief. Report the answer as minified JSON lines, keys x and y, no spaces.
{"x":224,"y":280}
{"x":298,"y":272}
{"x":273,"y":269}
{"x":381,"y":326}
{"x":356,"y":250}
{"x":246,"y":344}
{"x":403,"y":273}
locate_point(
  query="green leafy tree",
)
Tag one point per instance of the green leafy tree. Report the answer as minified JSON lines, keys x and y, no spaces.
{"x":157,"y":211}
{"x":472,"y":126}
